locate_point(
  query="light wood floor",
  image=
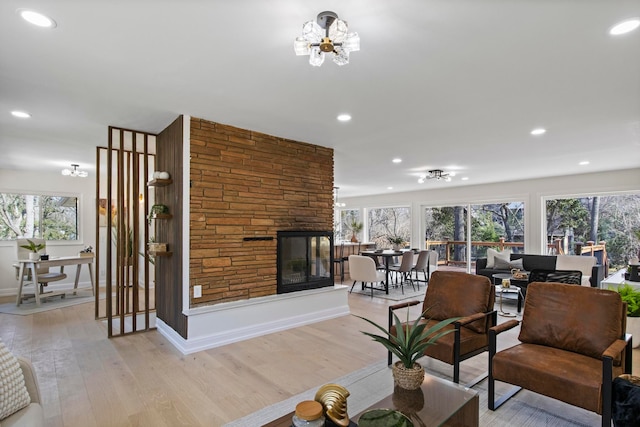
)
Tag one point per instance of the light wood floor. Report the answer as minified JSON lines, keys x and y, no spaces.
{"x":141,"y":380}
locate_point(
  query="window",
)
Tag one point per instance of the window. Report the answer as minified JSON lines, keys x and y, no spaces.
{"x":38,"y":215}
{"x":612,"y":219}
{"x":349,"y":225}
{"x":389,"y":227}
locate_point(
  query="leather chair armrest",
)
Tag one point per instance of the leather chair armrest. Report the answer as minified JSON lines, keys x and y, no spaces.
{"x":403,"y":305}
{"x":468,"y":319}
{"x":615,"y":351}
{"x":503,"y":327}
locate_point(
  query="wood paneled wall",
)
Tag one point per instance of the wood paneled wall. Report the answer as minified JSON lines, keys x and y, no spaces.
{"x":249,"y":184}
{"x":169,"y":268}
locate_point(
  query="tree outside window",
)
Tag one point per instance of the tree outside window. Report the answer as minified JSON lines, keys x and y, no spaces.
{"x":387,"y":226}
{"x":40,"y":216}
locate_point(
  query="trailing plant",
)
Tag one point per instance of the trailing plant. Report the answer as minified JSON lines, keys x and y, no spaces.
{"x":409,"y":342}
{"x":631,"y":296}
{"x":33,"y":247}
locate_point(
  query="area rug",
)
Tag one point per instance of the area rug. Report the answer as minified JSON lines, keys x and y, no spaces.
{"x":395,"y":293}
{"x":372,"y":383}
{"x":46,"y":304}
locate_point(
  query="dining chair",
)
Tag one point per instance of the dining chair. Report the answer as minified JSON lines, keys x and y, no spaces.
{"x":422,"y":265}
{"x":404,"y":270}
{"x":339,"y":261}
{"x":44,"y":275}
{"x":362,"y":269}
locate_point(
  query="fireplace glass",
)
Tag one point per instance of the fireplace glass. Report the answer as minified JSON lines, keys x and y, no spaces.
{"x":305,"y":260}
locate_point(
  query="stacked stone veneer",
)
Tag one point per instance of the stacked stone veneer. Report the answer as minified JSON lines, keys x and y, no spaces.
{"x":248,"y":184}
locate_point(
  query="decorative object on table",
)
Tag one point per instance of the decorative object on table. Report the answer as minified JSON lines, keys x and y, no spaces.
{"x":86,"y":252}
{"x":333,"y":398}
{"x":519,"y":275}
{"x":396,"y":241}
{"x":408,"y":344}
{"x":34,"y":248}
{"x":355,"y":227}
{"x":308,"y":414}
{"x":384,"y":418}
{"x":631,"y":296}
{"x":327,"y":34}
{"x":506,"y":283}
{"x":44,"y":257}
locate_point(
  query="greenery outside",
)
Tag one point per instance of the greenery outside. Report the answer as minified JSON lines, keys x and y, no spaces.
{"x":631,"y":296}
{"x":40,"y":216}
{"x":385,"y":224}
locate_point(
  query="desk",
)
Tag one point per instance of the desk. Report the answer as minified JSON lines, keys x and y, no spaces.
{"x":33,"y":266}
{"x":386,"y":255}
{"x":438,"y":402}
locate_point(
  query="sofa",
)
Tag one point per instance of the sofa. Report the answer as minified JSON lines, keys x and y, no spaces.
{"x":592,"y":273}
{"x":33,"y":414}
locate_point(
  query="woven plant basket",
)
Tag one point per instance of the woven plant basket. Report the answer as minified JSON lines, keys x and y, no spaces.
{"x":409,"y":379}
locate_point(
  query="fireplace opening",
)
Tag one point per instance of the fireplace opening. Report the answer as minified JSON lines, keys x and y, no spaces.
{"x":305,"y":260}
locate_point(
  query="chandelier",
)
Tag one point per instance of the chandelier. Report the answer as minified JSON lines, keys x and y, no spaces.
{"x":437,"y":174}
{"x":74,"y":172}
{"x":328,"y":35}
{"x":336,"y":203}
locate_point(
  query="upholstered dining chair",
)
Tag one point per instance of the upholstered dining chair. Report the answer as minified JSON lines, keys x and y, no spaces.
{"x":363,"y":269}
{"x":456,"y":294}
{"x":44,"y":275}
{"x":422,"y":265}
{"x":404,"y":270}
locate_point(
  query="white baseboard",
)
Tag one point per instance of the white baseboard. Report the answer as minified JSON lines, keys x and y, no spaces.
{"x":221,"y":324}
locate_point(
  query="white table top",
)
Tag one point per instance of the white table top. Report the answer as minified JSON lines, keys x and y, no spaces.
{"x":617,"y":279}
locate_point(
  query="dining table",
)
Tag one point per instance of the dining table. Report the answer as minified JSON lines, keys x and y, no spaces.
{"x":387,"y":256}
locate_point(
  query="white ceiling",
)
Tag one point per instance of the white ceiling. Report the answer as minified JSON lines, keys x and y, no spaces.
{"x":449,"y":84}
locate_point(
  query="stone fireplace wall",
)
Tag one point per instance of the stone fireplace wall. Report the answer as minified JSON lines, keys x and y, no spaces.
{"x":245,"y":187}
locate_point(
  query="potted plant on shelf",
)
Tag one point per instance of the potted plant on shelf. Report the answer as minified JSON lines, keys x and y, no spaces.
{"x":355,"y":227}
{"x":408,"y":344}
{"x":631,"y":296}
{"x":34,"y":248}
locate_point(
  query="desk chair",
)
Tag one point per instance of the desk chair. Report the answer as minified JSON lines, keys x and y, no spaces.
{"x":44,"y":275}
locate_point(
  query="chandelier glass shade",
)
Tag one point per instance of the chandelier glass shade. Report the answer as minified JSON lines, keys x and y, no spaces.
{"x":336,"y":201}
{"x":437,"y":174}
{"x":74,"y":172}
{"x":328,"y":34}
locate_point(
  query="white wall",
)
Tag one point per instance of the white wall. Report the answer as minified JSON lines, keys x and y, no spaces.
{"x":532,"y":192}
{"x":50,"y":183}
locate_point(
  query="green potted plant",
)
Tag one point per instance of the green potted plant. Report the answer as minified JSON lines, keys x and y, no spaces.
{"x":408,"y":343}
{"x":34,"y":248}
{"x":631,"y":296}
{"x":396,"y":241}
{"x":355,"y":227}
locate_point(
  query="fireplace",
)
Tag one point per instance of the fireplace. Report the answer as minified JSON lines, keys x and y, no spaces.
{"x":305,"y":260}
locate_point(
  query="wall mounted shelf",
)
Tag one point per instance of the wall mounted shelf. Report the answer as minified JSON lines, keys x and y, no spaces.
{"x":161,"y":216}
{"x":159,"y":182}
{"x":163,"y":253}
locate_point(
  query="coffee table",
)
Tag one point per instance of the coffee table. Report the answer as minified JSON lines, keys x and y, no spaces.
{"x":514,"y":289}
{"x":438,"y":402}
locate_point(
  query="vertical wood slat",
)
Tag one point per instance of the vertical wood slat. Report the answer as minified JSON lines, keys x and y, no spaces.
{"x":125,"y":162}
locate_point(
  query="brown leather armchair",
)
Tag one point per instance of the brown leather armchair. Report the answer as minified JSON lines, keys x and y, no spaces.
{"x":572,"y":346}
{"x":455,"y":294}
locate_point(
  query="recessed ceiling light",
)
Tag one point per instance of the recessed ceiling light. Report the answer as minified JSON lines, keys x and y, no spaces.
{"x":21,"y":114}
{"x":584,"y":163}
{"x":389,"y":188}
{"x":36,"y":18}
{"x":344,"y":117}
{"x":624,"y":27}
{"x":397,"y":160}
{"x":538,"y":131}
{"x":465,"y":178}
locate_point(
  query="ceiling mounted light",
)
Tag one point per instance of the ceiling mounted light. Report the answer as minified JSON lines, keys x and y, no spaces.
{"x":344,"y":117}
{"x":625,"y":27}
{"x":74,"y":172}
{"x":20,"y":114}
{"x":336,"y":202}
{"x":397,"y":160}
{"x":328,"y":34}
{"x":437,"y":174}
{"x":538,"y":131}
{"x":36,"y":18}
